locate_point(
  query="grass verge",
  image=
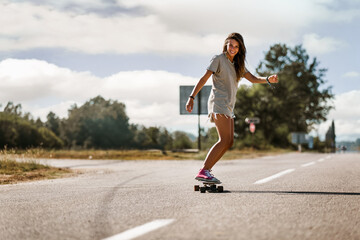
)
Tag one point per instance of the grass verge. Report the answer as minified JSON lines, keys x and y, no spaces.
{"x":13,"y":171}
{"x":141,"y":154}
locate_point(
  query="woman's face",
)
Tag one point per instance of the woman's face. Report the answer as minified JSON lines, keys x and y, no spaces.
{"x":232,"y":47}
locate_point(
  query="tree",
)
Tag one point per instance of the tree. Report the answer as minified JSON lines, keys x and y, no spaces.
{"x":20,"y":133}
{"x":18,"y":130}
{"x":165,"y":139}
{"x":297,"y":103}
{"x":13,"y":109}
{"x":330,"y":137}
{"x":152,"y":137}
{"x":141,"y":139}
{"x":53,"y":123}
{"x":8,"y":131}
{"x":181,"y":140}
{"x":99,"y":123}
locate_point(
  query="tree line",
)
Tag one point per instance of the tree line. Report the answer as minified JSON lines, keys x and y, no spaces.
{"x":97,"y":124}
{"x":299,"y":101}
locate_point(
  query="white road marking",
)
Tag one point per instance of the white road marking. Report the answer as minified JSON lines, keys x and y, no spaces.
{"x":268,"y":179}
{"x":141,"y":230}
{"x":308,"y":164}
{"x":321,"y":160}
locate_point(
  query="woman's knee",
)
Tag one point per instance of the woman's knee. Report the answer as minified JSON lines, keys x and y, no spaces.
{"x":227,"y":142}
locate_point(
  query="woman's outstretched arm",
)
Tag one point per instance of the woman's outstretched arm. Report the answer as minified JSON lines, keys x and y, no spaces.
{"x":255,"y":79}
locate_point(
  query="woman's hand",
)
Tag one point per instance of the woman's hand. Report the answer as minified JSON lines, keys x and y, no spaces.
{"x":273,"y":79}
{"x":190,"y":105}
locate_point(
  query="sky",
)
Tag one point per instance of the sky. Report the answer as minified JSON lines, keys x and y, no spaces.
{"x":54,"y":54}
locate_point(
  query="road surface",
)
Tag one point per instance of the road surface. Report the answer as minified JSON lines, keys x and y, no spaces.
{"x":290,"y":196}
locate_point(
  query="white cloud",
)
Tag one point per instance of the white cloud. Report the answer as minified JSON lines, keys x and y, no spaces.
{"x":151,"y":97}
{"x":352,"y":74}
{"x":164,"y":27}
{"x":347,"y":107}
{"x":26,"y":26}
{"x":346,"y":116}
{"x":30,"y":80}
{"x":315,"y":45}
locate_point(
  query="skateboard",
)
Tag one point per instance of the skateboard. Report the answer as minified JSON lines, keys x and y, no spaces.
{"x":209,"y":186}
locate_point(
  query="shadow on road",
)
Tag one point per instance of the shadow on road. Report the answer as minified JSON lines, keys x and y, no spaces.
{"x":301,"y":193}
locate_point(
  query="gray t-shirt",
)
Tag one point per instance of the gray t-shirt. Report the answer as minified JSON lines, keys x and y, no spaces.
{"x":223,"y":93}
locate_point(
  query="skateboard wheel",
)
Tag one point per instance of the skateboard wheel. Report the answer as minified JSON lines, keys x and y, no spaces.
{"x":196,"y":187}
{"x":213,"y":188}
{"x":202,"y":189}
{"x":220,"y":189}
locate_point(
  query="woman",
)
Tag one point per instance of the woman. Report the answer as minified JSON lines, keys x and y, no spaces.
{"x":226,"y":69}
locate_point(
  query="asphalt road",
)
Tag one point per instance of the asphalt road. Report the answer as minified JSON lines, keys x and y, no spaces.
{"x":291,"y":196}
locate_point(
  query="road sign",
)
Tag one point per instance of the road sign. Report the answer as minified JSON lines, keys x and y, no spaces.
{"x":203,"y":95}
{"x":252,"y":127}
{"x":298,"y":137}
{"x":254,"y":120}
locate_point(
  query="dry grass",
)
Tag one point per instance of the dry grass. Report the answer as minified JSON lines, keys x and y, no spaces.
{"x":250,"y":153}
{"x":13,"y":171}
{"x":140,"y":154}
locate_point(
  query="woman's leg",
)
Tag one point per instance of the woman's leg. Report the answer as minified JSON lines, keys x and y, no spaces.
{"x":231,"y":141}
{"x":225,"y":129}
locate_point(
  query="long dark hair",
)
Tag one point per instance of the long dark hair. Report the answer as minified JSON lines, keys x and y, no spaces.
{"x":239,"y":59}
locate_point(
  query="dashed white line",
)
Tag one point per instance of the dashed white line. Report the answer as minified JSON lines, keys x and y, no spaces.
{"x":141,"y":230}
{"x":308,"y":164}
{"x":268,"y":179}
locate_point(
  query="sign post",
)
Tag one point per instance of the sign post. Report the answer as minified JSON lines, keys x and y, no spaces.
{"x":199,"y":128}
{"x":252,"y":128}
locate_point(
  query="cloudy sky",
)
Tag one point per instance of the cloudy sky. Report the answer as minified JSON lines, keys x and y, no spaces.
{"x":57,"y":53}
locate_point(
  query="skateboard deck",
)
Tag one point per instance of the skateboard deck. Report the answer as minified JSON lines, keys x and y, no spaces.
{"x":208,"y":186}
